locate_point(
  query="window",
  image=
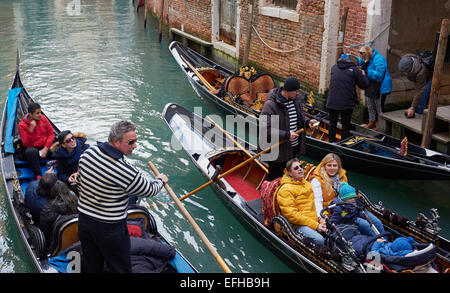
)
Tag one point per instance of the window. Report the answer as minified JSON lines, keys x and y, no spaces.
{"x":284,"y":9}
{"x":289,"y":4}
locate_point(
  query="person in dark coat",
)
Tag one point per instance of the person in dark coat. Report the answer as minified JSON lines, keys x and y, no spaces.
{"x":62,"y":202}
{"x":68,"y":154}
{"x":342,"y":97}
{"x":417,"y":72}
{"x":281,"y":116}
{"x":37,"y":194}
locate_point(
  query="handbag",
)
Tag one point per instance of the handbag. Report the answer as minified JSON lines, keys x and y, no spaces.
{"x":373,"y":91}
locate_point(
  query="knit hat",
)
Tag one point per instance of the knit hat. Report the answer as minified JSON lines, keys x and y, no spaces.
{"x":291,"y":84}
{"x":402,"y":244}
{"x":61,"y":136}
{"x":346,"y":191}
{"x":405,"y":63}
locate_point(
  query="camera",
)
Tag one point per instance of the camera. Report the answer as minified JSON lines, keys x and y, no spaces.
{"x":51,"y":163}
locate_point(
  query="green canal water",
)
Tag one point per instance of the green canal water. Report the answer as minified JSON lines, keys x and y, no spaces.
{"x":93,"y":64}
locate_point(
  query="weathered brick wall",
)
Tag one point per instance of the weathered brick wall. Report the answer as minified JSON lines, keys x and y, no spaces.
{"x":355,"y":25}
{"x":194,"y":15}
{"x":305,"y":36}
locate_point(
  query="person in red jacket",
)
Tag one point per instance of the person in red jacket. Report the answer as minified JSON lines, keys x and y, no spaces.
{"x":37,"y":136}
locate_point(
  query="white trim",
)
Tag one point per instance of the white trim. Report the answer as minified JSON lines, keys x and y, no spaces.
{"x":278,"y":12}
{"x":329,"y":42}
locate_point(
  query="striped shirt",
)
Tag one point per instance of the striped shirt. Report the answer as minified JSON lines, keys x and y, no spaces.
{"x":292,"y":119}
{"x":106,"y":183}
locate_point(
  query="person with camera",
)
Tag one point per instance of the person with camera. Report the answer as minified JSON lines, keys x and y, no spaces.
{"x":67,"y":155}
{"x":380,"y":85}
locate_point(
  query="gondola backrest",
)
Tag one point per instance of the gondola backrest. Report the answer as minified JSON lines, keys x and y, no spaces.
{"x":269,"y":190}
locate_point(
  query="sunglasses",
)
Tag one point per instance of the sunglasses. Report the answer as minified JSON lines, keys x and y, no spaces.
{"x":132,"y":141}
{"x":69,"y":139}
{"x":297,"y":167}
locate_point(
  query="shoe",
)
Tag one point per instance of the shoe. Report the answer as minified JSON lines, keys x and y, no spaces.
{"x":372,"y":125}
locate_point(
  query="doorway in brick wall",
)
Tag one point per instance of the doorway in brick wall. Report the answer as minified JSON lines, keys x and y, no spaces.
{"x":227,"y":27}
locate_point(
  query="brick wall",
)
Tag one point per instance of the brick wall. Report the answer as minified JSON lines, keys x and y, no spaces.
{"x":305,"y":36}
{"x":355,"y":25}
{"x":194,"y":15}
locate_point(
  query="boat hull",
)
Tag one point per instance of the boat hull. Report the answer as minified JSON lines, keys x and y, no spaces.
{"x":391,"y":167}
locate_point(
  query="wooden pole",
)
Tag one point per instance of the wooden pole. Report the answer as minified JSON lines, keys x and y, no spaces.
{"x":249,"y":33}
{"x":251,"y":159}
{"x":436,"y":83}
{"x":238,"y":144}
{"x":191,"y":221}
{"x":205,"y":82}
{"x":160,"y":21}
{"x":341,"y":36}
{"x":145,"y":13}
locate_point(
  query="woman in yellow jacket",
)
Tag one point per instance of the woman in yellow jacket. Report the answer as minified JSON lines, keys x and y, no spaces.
{"x":326,"y":180}
{"x":295,"y":198}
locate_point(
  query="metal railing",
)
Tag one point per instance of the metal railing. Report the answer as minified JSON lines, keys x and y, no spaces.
{"x":289,"y":4}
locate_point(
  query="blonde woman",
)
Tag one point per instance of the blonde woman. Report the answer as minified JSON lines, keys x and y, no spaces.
{"x":326,"y":179}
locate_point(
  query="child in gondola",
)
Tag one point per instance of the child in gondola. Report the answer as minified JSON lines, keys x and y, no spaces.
{"x":367,"y":223}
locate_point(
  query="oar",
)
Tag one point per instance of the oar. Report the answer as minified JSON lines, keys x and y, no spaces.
{"x":238,"y":166}
{"x":238,"y":144}
{"x":205,"y":82}
{"x":192,"y":222}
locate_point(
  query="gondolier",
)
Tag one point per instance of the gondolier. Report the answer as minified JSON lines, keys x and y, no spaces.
{"x":283,"y":105}
{"x":106,"y":181}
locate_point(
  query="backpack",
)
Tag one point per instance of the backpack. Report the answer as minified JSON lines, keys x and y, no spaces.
{"x":426,"y":58}
{"x":269,"y":191}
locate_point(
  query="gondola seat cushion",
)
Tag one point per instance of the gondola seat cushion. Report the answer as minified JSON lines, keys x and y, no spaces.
{"x":269,"y":191}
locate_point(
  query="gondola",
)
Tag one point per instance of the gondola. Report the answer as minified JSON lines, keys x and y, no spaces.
{"x":365,"y":151}
{"x":16,"y":177}
{"x":210,"y":150}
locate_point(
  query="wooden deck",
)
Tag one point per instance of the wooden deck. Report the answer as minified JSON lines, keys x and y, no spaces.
{"x":395,"y":123}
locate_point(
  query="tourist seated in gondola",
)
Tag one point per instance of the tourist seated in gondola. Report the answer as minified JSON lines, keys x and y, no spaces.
{"x":37,"y":136}
{"x":326,"y":179}
{"x":62,"y":202}
{"x":403,"y":253}
{"x":37,"y":194}
{"x":326,"y":182}
{"x":295,"y":199}
{"x":67,"y":152}
{"x":350,"y":214}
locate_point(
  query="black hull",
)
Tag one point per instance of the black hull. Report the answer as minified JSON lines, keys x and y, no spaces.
{"x":374,"y":165}
{"x":12,"y":183}
{"x":190,"y":130}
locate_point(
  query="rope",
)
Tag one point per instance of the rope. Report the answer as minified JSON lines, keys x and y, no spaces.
{"x":370,"y":43}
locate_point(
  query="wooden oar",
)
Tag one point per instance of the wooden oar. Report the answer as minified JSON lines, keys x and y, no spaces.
{"x":238,"y":166}
{"x":192,"y":222}
{"x":238,"y":144}
{"x":205,"y":82}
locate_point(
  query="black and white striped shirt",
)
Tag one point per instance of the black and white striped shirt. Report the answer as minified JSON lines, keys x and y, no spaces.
{"x":292,"y":119}
{"x":106,"y":183}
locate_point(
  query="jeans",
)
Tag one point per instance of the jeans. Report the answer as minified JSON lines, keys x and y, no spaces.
{"x":310,"y":233}
{"x":364,"y":226}
{"x":423,"y":101}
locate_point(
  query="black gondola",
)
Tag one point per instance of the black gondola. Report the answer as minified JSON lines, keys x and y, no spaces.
{"x":16,"y":177}
{"x":366,"y":151}
{"x":208,"y":148}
